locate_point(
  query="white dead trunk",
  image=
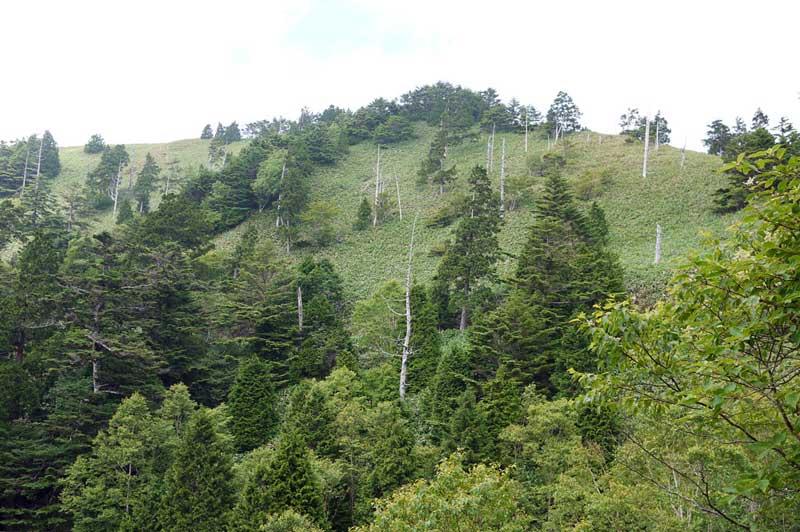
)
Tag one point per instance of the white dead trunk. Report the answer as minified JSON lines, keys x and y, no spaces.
{"x":114,"y":192}
{"x":399,"y":204}
{"x":658,"y":244}
{"x":299,"y":308}
{"x":503,"y":179}
{"x":646,"y":145}
{"x":25,"y":171}
{"x":683,"y":155}
{"x":599,"y":138}
{"x":491,"y":151}
{"x":377,"y":186}
{"x":95,"y":372}
{"x":407,"y":340}
{"x":527,"y":111}
{"x":657,"y":131}
{"x":280,"y":187}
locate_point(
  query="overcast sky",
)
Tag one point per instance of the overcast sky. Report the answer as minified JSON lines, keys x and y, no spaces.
{"x":154,"y":71}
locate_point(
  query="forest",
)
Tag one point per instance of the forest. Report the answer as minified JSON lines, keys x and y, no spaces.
{"x":182,"y":348}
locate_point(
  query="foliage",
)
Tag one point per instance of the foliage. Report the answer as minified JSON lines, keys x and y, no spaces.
{"x":482,"y":498}
{"x":718,"y":356}
{"x":96,"y":144}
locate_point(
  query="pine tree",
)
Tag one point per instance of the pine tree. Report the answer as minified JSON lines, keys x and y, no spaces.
{"x":252,"y":401}
{"x":425,"y":342}
{"x":146,"y":183}
{"x":207,"y":133}
{"x":363,"y":216}
{"x":51,"y":164}
{"x":125,"y":212}
{"x":390,"y":455}
{"x":468,"y":428}
{"x":433,"y":168}
{"x":311,"y":414}
{"x":286,"y":481}
{"x":475,"y":250}
{"x":198,"y":493}
{"x":96,"y":144}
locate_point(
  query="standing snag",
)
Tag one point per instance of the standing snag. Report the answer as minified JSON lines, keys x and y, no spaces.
{"x":658,"y":244}
{"x":407,"y":339}
{"x":646,"y":145}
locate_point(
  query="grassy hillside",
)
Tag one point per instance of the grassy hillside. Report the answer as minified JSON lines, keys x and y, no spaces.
{"x":678,"y":200}
{"x":187,"y":153}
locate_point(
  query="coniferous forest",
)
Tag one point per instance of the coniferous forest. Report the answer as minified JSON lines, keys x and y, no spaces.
{"x":180,"y":368}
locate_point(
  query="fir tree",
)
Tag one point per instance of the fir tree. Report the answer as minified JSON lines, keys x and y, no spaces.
{"x":475,"y":250}
{"x":433,"y":168}
{"x":207,"y":133}
{"x":51,"y":164}
{"x":146,"y":183}
{"x":286,"y":481}
{"x":364,"y":215}
{"x":252,"y":402}
{"x":197,"y":488}
{"x":125,"y":212}
{"x":96,"y":144}
{"x":468,"y":428}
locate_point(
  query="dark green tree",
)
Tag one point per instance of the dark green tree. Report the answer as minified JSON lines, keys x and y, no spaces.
{"x":198,"y":494}
{"x":433,"y":168}
{"x":717,"y":137}
{"x":207,"y":133}
{"x":475,"y":249}
{"x":232,"y":133}
{"x":51,"y":164}
{"x":760,"y":120}
{"x":146,"y":183}
{"x":252,"y":402}
{"x":96,"y":144}
{"x":125,"y":212}
{"x":364,"y":215}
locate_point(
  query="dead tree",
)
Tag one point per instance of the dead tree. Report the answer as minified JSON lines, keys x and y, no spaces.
{"x":683,"y":154}
{"x":503,"y":179}
{"x":114,"y":188}
{"x":657,"y":129}
{"x":25,"y":171}
{"x":399,"y":205}
{"x":377,"y":186}
{"x":658,"y":244}
{"x":527,"y":111}
{"x":407,"y":340}
{"x":646,"y":145}
{"x":280,"y":187}
{"x":299,"y":308}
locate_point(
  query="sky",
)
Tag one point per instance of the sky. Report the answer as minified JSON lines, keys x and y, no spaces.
{"x":156,"y":71}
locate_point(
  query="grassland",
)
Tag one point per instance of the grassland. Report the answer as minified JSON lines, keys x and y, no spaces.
{"x":679,"y":200}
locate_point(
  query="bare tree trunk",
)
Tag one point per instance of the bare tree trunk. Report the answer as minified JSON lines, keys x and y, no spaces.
{"x":377,"y":185}
{"x":527,"y":111}
{"x":657,"y":131}
{"x":463,"y":322}
{"x":491,"y":151}
{"x":658,"y":244}
{"x":130,"y":173}
{"x":280,"y":195}
{"x":115,"y":192}
{"x":407,"y":340}
{"x":683,"y":155}
{"x":25,"y":171}
{"x":299,"y":308}
{"x":224,"y":158}
{"x":646,"y":145}
{"x":399,"y":205}
{"x":503,"y":180}
{"x":95,"y":374}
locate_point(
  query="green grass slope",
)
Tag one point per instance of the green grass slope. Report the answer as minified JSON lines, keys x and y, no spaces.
{"x":679,"y":200}
{"x":188,"y":153}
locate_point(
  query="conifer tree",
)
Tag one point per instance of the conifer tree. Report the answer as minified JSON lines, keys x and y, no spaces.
{"x":564,"y":115}
{"x":475,"y":250}
{"x":207,"y":133}
{"x":146,"y":183}
{"x":198,"y":493}
{"x":96,"y":144}
{"x":468,"y":428}
{"x":285,"y":481}
{"x":252,"y":403}
{"x":125,"y":212}
{"x":51,"y":164}
{"x":425,"y":342}
{"x":363,"y":216}
{"x":390,"y":454}
{"x":433,"y":168}
{"x":311,"y":414}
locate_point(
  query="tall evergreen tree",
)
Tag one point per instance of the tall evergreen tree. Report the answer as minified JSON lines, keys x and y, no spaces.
{"x":475,"y":250}
{"x":564,"y":114}
{"x":433,"y":167}
{"x":207,"y":133}
{"x":252,"y":401}
{"x":51,"y":164}
{"x":198,"y":493}
{"x":146,"y":183}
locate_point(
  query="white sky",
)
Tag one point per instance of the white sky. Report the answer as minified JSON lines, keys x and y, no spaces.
{"x":154,"y":71}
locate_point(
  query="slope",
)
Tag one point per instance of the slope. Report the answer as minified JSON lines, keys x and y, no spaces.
{"x":677,"y":199}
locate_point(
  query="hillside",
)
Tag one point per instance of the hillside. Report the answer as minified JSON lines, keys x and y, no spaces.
{"x":188,"y":154}
{"x":678,"y":200}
